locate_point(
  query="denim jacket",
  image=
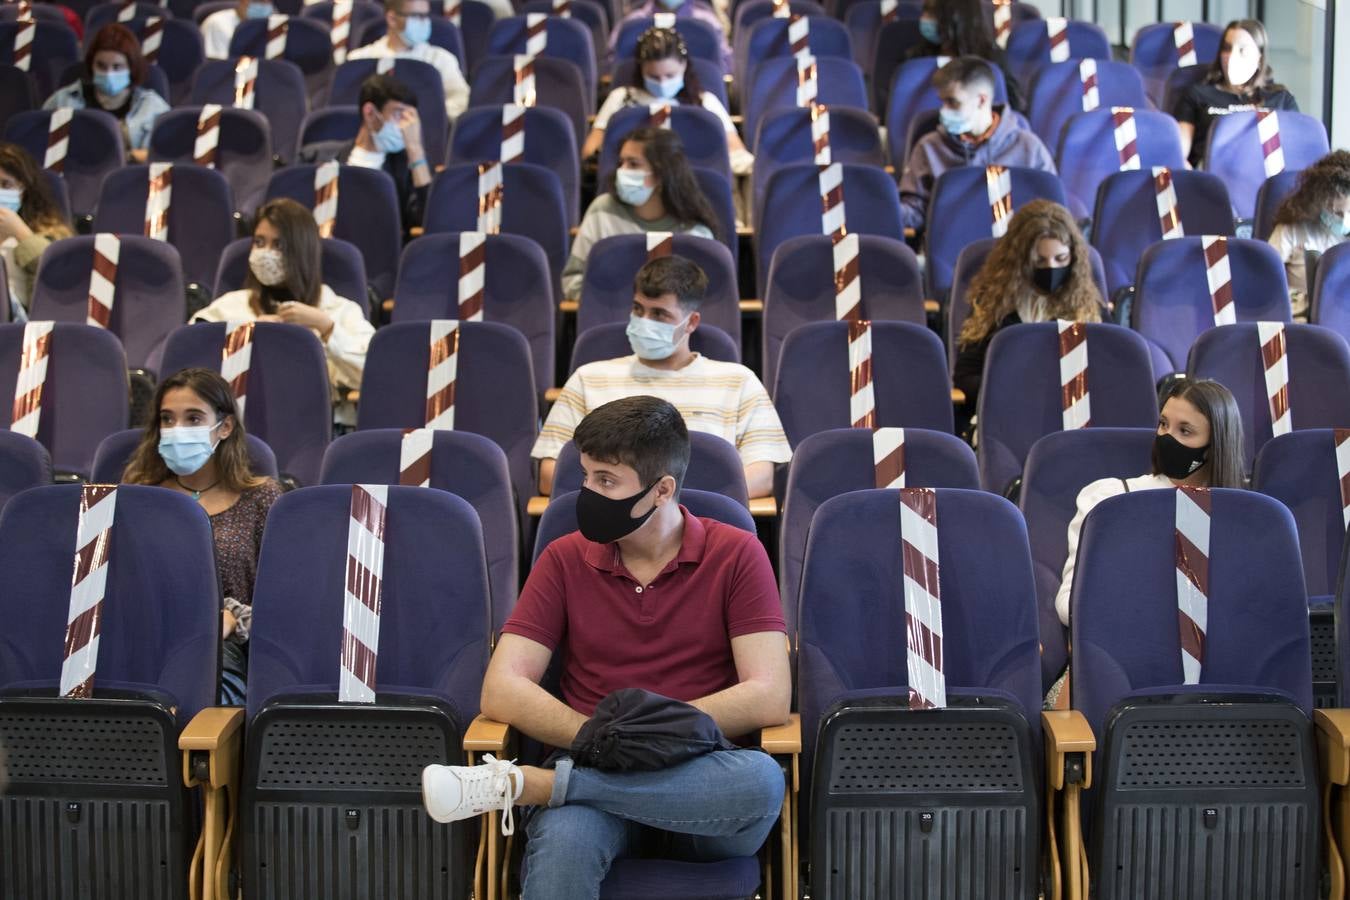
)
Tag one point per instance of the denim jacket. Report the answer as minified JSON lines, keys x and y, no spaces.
{"x":146,"y":106}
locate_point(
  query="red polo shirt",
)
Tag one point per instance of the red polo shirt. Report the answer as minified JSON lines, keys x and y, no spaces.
{"x":672,"y":636}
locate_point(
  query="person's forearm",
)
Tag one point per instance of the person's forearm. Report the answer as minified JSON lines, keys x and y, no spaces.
{"x":546,"y":476}
{"x":759,"y":479}
{"x":746,"y":707}
{"x":530,"y":709}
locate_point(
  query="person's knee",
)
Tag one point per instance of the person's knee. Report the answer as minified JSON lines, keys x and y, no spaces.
{"x":761,"y":783}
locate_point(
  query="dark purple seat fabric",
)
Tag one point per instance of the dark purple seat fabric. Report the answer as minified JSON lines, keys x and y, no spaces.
{"x":53,"y":49}
{"x":1234,"y":153}
{"x":1154,"y":52}
{"x":1056,"y":94}
{"x":1272,"y":193}
{"x":95,"y":149}
{"x":24,"y":463}
{"x":1331,"y":291}
{"x":279,"y":94}
{"x":559,"y":84}
{"x":549,"y":142}
{"x":308,"y":45}
{"x":1086,"y":153}
{"x":784,"y":138}
{"x":18,"y":93}
{"x":568,"y":39}
{"x":243,"y":156}
{"x":1029,"y":46}
{"x":774,"y":85}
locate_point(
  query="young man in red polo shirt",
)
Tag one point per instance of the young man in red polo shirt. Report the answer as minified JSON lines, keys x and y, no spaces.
{"x":647,"y":596}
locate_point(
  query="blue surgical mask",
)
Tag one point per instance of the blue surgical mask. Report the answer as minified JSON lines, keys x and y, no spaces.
{"x":1337,"y":225}
{"x":258,"y":10}
{"x":187,"y":448}
{"x":11,"y":199}
{"x":416,"y":31}
{"x":653,"y":340}
{"x":389,"y":139}
{"x":631,"y":186}
{"x":663,"y":88}
{"x":929,"y":29}
{"x":953,"y":122}
{"x":110,"y":84}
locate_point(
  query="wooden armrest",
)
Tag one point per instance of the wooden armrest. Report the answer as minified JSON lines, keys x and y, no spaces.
{"x":909,"y":233}
{"x":738,"y":120}
{"x":931,"y":307}
{"x":1333,"y":738}
{"x":486,"y":736}
{"x":552,"y":394}
{"x":211,"y":728}
{"x":781,"y":740}
{"x":535,"y":506}
{"x":744,"y":231}
{"x":763,"y":507}
{"x":752,"y":306}
{"x":1067,"y":731}
{"x":569,"y":306}
{"x":958,"y":395}
{"x":353,"y":397}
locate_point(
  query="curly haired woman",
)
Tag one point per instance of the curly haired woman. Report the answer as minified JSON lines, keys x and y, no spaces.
{"x":1315,"y":217}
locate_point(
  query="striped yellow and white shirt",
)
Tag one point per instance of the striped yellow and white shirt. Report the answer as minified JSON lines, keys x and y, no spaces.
{"x":721,"y":398}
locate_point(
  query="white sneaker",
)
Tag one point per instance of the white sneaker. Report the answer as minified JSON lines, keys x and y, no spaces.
{"x":452,"y":793}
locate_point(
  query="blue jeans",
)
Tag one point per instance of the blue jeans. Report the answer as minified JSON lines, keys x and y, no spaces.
{"x":716,"y":806}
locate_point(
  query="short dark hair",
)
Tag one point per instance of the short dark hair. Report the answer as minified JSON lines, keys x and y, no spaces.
{"x":380,"y":89}
{"x":676,"y":275}
{"x":117,"y":38}
{"x":966,"y":71}
{"x":645,"y":433}
{"x":1213,"y":401}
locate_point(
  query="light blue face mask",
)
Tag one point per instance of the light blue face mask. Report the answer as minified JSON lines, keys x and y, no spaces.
{"x":663,"y":88}
{"x":187,"y":448}
{"x":258,"y":10}
{"x":416,"y":31}
{"x":110,"y":84}
{"x":929,"y":29}
{"x":631,"y":186}
{"x":389,"y":139}
{"x":11,"y":199}
{"x":1337,"y":225}
{"x":653,"y":340}
{"x":953,"y":122}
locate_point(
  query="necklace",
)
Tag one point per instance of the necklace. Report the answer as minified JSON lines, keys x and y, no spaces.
{"x":196,"y":494}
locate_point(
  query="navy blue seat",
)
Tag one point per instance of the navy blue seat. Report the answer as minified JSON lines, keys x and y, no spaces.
{"x":24,"y":463}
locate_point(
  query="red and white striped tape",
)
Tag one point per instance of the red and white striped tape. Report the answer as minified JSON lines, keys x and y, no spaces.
{"x":658,"y":115}
{"x":923,"y":599}
{"x":1219,"y":276}
{"x":23,"y":43}
{"x":660,"y":243}
{"x":888,"y":457}
{"x":1183,"y":36}
{"x":442,"y":373}
{"x":158,"y":197}
{"x":1126,"y":132}
{"x":235,"y":358}
{"x":326,"y":176}
{"x":491,"y":194}
{"x":385,"y":65}
{"x":808,"y":84}
{"x":1275,"y":362}
{"x":1073,"y":375}
{"x":524,"y":93}
{"x":341,"y":29}
{"x":664,"y":20}
{"x":126,"y":12}
{"x":845,"y":247}
{"x":536,"y":33}
{"x":453,"y":10}
{"x":562,"y":8}
{"x":1341,"y":437}
{"x":998,"y":186}
{"x":245,"y":82}
{"x":472,"y":275}
{"x":103,"y":279}
{"x":862,"y":404}
{"x":1192,"y":551}
{"x":208,"y":136}
{"x":513,"y":133}
{"x":820,"y":133}
{"x":833,"y":219}
{"x":1057,"y":31}
{"x":58,"y":138}
{"x":361,"y":599}
{"x":414,"y":457}
{"x":88,"y":586}
{"x":1087,"y":77}
{"x":25,"y":11}
{"x":799,"y":35}
{"x":37,"y":347}
{"x":277,"y":28}
{"x":1268,"y":131}
{"x":782,"y":9}
{"x":1169,"y":212}
{"x":152,"y":38}
{"x":1002,"y":22}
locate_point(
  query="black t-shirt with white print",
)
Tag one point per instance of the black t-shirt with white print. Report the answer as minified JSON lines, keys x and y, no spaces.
{"x":1202,"y":103}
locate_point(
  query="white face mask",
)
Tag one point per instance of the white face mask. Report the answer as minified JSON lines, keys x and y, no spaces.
{"x":1241,"y":68}
{"x":267,"y":266}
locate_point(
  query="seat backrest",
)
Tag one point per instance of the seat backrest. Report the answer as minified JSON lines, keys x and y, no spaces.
{"x":717,"y":189}
{"x":863,"y":19}
{"x":24,"y":463}
{"x":421,"y":78}
{"x":801,"y":288}
{"x":1299,"y":469}
{"x":334,"y":123}
{"x":363,"y":13}
{"x":42,"y":12}
{"x":594,"y":15}
{"x":434,"y":625}
{"x":288,"y":395}
{"x":1318,"y":361}
{"x":549,"y":142}
{"x":517,"y":290}
{"x":792,"y":207}
{"x":1056,"y":94}
{"x":1272,"y":193}
{"x":768,"y":39}
{"x":909,"y":379}
{"x":1234,"y":151}
{"x":1123,"y":610}
{"x":750,"y":13}
{"x":610,"y":341}
{"x":340,"y":266}
{"x":18,"y":93}
{"x":468,"y":465}
{"x":1155,"y":54}
{"x":785,"y":137}
{"x":1086,"y":154}
{"x":494,"y":396}
{"x":1029,"y":44}
{"x":279,"y":94}
{"x":911,"y":92}
{"x":94,"y":150}
{"x":53,"y":48}
{"x":567,"y":39}
{"x":960,"y":201}
{"x":115,"y":451}
{"x":180,"y":53}
{"x":890,"y":50}
{"x":709,"y":72}
{"x":702,"y":134}
{"x":1058,"y":467}
{"x":1172,"y":303}
{"x":1331,"y":291}
{"x":1021,"y":399}
{"x":1125,"y":220}
{"x":607,"y":289}
{"x":475,"y":22}
{"x":774,"y":86}
{"x":367,"y":216}
{"x":244,"y":154}
{"x":714,"y":466}
{"x":84,"y":398}
{"x":147,"y":301}
{"x":308,"y":45}
{"x":1178,"y":80}
{"x":201,"y":222}
{"x":560,"y":518}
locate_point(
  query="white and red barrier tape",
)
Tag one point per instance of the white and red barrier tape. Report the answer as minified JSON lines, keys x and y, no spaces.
{"x":208,"y":136}
{"x":1183,"y":37}
{"x":1192,"y":564}
{"x":1075,"y":401}
{"x":524,"y":93}
{"x":1087,"y":79}
{"x":888,"y":457}
{"x":923,"y":598}
{"x":1057,"y":32}
{"x":1126,"y":132}
{"x":277,"y":28}
{"x":152,"y":38}
{"x":491,"y":195}
{"x":158,"y":198}
{"x":414,"y":457}
{"x":58,"y":138}
{"x":326,"y":177}
{"x":536,"y":33}
{"x":245,"y":82}
{"x":23,"y":43}
{"x":660,"y":243}
{"x":1002,"y":22}
{"x":1169,"y":211}
{"x":513,"y":133}
{"x":1268,"y":132}
{"x":799,"y":35}
{"x":1275,"y":363}
{"x":442,"y":373}
{"x":88,"y":587}
{"x":341,"y":29}
{"x":1341,"y":437}
{"x":1219,"y":276}
{"x":862,"y":404}
{"x":37,"y":346}
{"x":472,"y":275}
{"x":361,"y":598}
{"x":998,"y":186}
{"x":235,"y":358}
{"x":103,"y":279}
{"x":808,"y":84}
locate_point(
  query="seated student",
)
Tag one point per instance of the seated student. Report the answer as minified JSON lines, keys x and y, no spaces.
{"x":1041,"y":270}
{"x":196,"y":446}
{"x":1315,"y":217}
{"x":721,"y":398}
{"x":652,"y":190}
{"x":663,"y":65}
{"x":958,"y":28}
{"x":114,"y":82}
{"x":646,"y":596}
{"x":390,"y":138}
{"x":1240,"y":78}
{"x":29,"y":221}
{"x":285,"y":284}
{"x":683,"y":9}
{"x":218,"y":28}
{"x":409,"y":37}
{"x":972,"y":132}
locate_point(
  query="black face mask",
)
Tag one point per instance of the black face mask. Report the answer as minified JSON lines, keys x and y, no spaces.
{"x":1048,"y":280}
{"x":604,"y":520}
{"x":1175,"y":459}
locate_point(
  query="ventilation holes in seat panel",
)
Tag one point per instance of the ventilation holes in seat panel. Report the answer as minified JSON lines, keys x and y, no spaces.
{"x":108,"y":749}
{"x":312,"y":754}
{"x":1323,"y":634}
{"x":925,"y":758}
{"x":1251,"y":754}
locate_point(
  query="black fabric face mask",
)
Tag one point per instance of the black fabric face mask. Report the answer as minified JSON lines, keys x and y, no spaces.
{"x":605,"y":520}
{"x":1048,"y":280}
{"x":1176,"y":459}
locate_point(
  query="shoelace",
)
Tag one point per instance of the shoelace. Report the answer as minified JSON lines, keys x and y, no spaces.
{"x":498,"y":784}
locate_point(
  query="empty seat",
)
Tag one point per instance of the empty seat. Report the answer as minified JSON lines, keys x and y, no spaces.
{"x":839,"y":83}
{"x":1088,"y":154}
{"x":53,"y":47}
{"x":24,"y":463}
{"x":1031,"y":46}
{"x":278,"y":93}
{"x":548,"y":142}
{"x":566,"y":39}
{"x":1056,"y":94}
{"x":1269,"y":197}
{"x":1235,"y":152}
{"x":785,"y":137}
{"x":1156,"y":54}
{"x":307,"y":44}
{"x":1331,"y":291}
{"x":559,"y":84}
{"x":768,"y":38}
{"x":243,"y":155}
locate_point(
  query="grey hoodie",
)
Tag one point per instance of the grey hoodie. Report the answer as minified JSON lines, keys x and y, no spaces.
{"x":1011,"y":144}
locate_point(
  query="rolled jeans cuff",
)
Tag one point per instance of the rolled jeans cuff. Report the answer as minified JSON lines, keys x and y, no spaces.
{"x":562,"y":774}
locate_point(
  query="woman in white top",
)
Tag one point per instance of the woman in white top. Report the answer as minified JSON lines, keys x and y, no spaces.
{"x":663,"y":66}
{"x":1199,"y":443}
{"x":1315,"y":217}
{"x":284,"y":284}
